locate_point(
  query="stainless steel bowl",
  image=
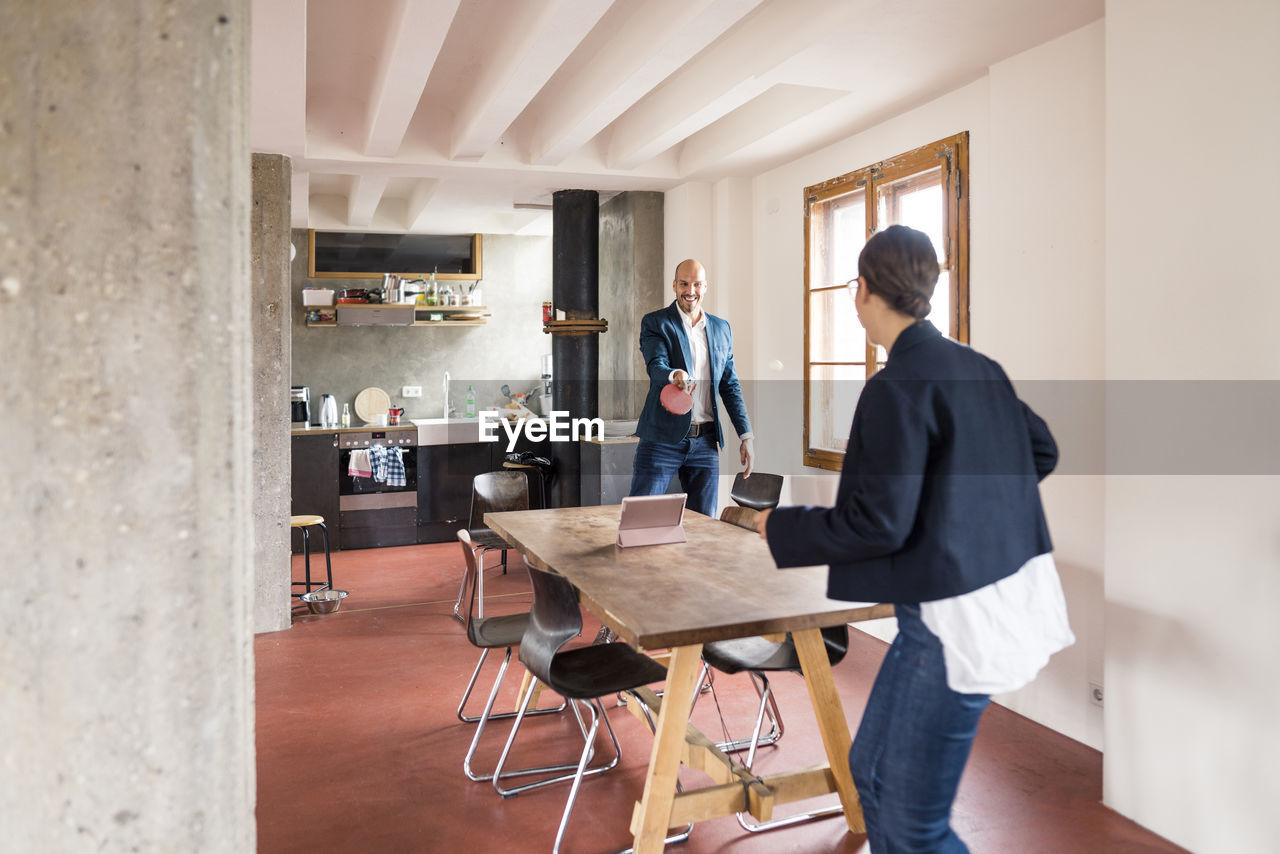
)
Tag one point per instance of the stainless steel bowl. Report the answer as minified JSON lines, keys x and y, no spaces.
{"x":324,"y":601}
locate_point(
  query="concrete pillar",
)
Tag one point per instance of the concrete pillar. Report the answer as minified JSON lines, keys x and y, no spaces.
{"x":269,"y":263}
{"x":633,"y":282}
{"x":126,"y":673}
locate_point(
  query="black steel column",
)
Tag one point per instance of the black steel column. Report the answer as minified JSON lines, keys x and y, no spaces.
{"x":575,"y":283}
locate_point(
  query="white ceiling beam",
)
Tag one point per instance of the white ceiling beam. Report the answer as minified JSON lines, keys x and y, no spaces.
{"x":512,"y":78}
{"x":722,"y":78}
{"x":641,"y":52}
{"x":423,"y":190}
{"x":278,"y":77}
{"x":772,"y":111}
{"x":415,"y":32}
{"x":362,"y":199}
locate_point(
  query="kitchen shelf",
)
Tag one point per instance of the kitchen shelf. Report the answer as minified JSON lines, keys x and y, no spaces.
{"x":420,"y":311}
{"x":451,"y":309}
{"x":449,"y":322}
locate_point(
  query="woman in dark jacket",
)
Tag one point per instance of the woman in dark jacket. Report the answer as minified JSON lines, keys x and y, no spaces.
{"x":938,"y":511}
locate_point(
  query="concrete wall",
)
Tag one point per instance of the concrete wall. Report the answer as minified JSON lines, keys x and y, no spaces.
{"x":1193,"y":562}
{"x":126,"y":669}
{"x":269,"y":265}
{"x":633,"y":282}
{"x":343,"y":360}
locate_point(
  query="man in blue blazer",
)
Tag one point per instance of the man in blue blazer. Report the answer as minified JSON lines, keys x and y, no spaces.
{"x":693,"y":350}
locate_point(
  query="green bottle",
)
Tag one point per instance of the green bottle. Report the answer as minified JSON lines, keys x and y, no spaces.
{"x":469,"y":408}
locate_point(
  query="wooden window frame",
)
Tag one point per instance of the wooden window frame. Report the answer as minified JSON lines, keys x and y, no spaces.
{"x":954,"y":152}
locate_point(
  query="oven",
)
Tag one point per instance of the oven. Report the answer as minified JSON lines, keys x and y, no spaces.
{"x":372,"y":514}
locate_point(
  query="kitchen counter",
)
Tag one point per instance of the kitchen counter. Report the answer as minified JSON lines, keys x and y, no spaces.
{"x":363,"y":428}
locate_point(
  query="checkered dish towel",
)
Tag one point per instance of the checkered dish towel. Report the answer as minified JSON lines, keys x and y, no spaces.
{"x":388,"y":465}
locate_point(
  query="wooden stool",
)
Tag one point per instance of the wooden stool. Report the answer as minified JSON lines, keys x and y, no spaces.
{"x":304,"y":523}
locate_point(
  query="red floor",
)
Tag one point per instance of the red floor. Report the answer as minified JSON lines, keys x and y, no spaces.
{"x":359,"y":749}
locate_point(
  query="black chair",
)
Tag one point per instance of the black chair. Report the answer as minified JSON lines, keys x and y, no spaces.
{"x":761,"y":491}
{"x":486,"y":633}
{"x":757,"y":657}
{"x":492,"y":492}
{"x":582,"y":676}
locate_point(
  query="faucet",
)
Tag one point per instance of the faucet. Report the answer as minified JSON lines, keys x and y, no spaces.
{"x":448,"y":410}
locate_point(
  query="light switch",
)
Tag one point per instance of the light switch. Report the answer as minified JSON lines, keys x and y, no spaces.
{"x":411,"y":391}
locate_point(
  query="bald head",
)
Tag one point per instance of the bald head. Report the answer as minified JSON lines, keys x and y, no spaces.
{"x":690,"y":286}
{"x":690,"y":269}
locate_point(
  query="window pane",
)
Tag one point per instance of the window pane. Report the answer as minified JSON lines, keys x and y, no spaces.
{"x":835,"y":335}
{"x":850,"y":218}
{"x":940,"y":305}
{"x":837,"y":231}
{"x":923,"y":211}
{"x":915,"y":201}
{"x":833,"y":393}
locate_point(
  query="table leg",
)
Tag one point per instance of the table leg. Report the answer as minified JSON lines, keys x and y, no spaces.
{"x":653,"y":813}
{"x":831,"y":721}
{"x":525,"y":686}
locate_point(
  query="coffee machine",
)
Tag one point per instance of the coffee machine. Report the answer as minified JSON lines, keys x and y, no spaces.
{"x":300,"y":405}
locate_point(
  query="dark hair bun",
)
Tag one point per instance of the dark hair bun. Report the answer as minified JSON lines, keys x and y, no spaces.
{"x":900,"y":266}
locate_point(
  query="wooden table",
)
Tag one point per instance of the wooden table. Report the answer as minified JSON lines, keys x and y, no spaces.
{"x":720,"y":584}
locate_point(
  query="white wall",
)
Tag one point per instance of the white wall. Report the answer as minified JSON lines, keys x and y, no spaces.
{"x":713,"y":223}
{"x":1123,"y":219}
{"x":1193,"y":563}
{"x":687,"y":227}
{"x":1036,"y":134}
{"x":1037,"y":296}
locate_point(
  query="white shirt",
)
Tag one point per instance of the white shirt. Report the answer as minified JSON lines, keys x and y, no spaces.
{"x":700,"y":370}
{"x":997,"y":638}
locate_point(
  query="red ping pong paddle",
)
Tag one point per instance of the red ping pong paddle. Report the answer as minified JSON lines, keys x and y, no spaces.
{"x":675,"y":400}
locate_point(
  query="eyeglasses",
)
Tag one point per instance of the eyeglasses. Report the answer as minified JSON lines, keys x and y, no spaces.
{"x":852,"y":285}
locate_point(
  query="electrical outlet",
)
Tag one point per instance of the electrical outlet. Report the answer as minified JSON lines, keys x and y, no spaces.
{"x":1095,"y":694}
{"x":411,"y":391}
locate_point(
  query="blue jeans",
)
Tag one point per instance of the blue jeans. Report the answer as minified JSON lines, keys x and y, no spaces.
{"x":697,"y":461}
{"x":912,"y":745}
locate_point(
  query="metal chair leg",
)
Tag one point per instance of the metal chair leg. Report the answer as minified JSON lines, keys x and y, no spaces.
{"x":306,"y":558}
{"x":578,"y":774}
{"x":597,"y":713}
{"x":766,"y":696}
{"x":559,"y":778}
{"x":462,"y":587}
{"x":776,"y":726}
{"x":328,"y":563}
{"x":470,"y":719}
{"x":788,"y":821}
